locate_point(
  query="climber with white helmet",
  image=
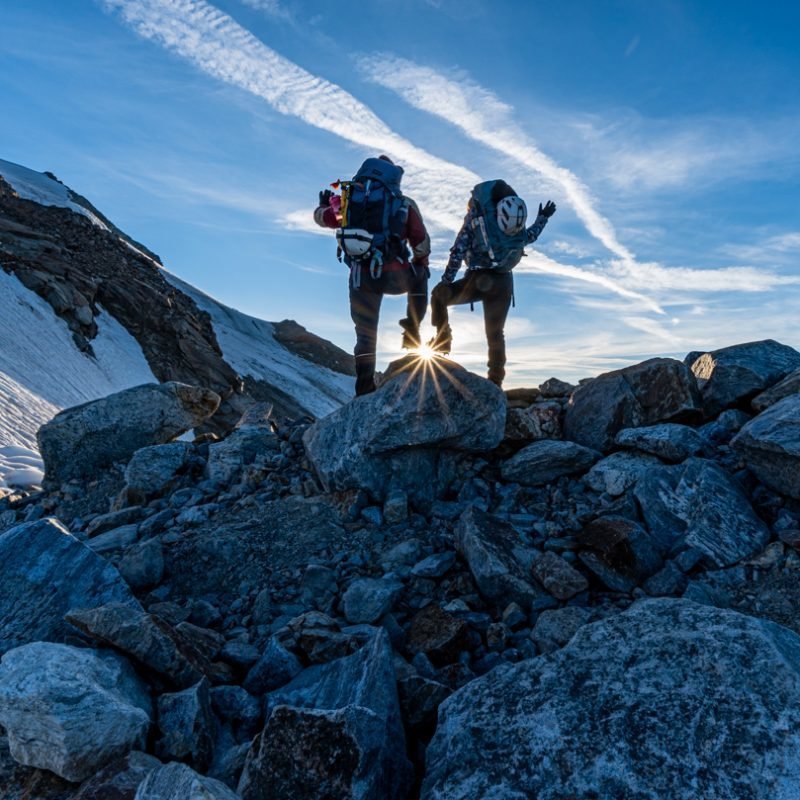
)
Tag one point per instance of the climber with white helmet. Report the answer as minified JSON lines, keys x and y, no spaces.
{"x":492,"y":242}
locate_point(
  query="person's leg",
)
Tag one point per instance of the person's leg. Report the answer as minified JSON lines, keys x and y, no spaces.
{"x":416,"y":307}
{"x":444,"y":295}
{"x":497,"y":296}
{"x":365,"y":308}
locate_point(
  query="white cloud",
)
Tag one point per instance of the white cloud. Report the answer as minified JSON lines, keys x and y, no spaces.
{"x":273,"y":8}
{"x":483,"y":117}
{"x":217,"y":44}
{"x":772,"y":249}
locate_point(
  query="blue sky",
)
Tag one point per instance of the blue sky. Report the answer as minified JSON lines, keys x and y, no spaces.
{"x":665,"y":131}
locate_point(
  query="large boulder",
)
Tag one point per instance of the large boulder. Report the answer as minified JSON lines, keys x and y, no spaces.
{"x":334,"y":731}
{"x":735,"y":374}
{"x":120,"y":779}
{"x":695,"y":505}
{"x":44,"y":572}
{"x":152,"y":469}
{"x":657,"y":390}
{"x":393,"y":437}
{"x":618,"y":472}
{"x":148,"y":639}
{"x":490,"y":546}
{"x":243,"y":446}
{"x":186,"y":726}
{"x":548,"y":460}
{"x":69,"y":710}
{"x":83,"y":440}
{"x":770,"y":446}
{"x":658,"y":702}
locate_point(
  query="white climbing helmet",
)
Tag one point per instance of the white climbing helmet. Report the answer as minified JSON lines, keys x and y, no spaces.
{"x":511,"y":215}
{"x":356,"y":242}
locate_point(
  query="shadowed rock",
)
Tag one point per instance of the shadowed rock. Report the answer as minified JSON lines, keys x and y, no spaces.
{"x":657,"y":390}
{"x":733,"y":375}
{"x":69,"y":710}
{"x":82,"y":440}
{"x":44,"y":572}
{"x":635,"y":693}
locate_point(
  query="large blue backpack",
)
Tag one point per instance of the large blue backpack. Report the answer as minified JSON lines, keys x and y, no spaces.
{"x":491,"y":248}
{"x":373,"y":202}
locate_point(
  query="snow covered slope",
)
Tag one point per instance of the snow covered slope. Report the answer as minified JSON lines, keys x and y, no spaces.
{"x":41,"y":370}
{"x":249,"y":346}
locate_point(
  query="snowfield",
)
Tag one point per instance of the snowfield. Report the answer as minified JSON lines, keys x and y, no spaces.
{"x":42,"y":372}
{"x":249,"y":346}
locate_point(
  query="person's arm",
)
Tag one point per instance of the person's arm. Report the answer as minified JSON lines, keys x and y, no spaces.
{"x":459,"y":249}
{"x":326,"y":214}
{"x":417,"y":234}
{"x":545,"y":212}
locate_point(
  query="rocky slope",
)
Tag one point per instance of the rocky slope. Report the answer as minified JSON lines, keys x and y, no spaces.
{"x":117,"y":318}
{"x":437,"y":591}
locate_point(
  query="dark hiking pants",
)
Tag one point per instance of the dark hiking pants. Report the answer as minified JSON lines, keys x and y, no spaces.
{"x":495,"y":290}
{"x":365,"y":306}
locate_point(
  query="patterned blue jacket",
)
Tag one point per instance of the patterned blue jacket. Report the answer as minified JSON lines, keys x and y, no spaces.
{"x":463,"y":242}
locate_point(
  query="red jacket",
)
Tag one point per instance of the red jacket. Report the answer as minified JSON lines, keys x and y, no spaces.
{"x":415,"y":233}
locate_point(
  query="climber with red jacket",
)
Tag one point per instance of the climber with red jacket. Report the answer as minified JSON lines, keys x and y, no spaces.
{"x":383,"y":240}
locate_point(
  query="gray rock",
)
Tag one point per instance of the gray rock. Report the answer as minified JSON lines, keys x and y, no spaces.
{"x":115,"y":539}
{"x":144,"y":637}
{"x":335,"y":731}
{"x":617,"y":473}
{"x":69,"y":710}
{"x":553,"y":387}
{"x":45,"y":571}
{"x":320,"y":638}
{"x":319,"y":588}
{"x":238,"y":707}
{"x":490,"y":547}
{"x":770,"y":446}
{"x":81,"y":441}
{"x":668,"y":582}
{"x":559,"y":578}
{"x":205,"y":641}
{"x":275,"y":668}
{"x":120,"y":779}
{"x":635,"y":693}
{"x":674,"y":443}
{"x":405,"y":554}
{"x":437,"y":634}
{"x":790,"y":385}
{"x":395,"y":509}
{"x":434,"y":566}
{"x":114,"y":519}
{"x":420,"y":699}
{"x":368,"y":599}
{"x":179,"y":782}
{"x":152,"y":469}
{"x":240,"y":654}
{"x":242,"y":447}
{"x":556,"y":626}
{"x":142,"y":565}
{"x":186,"y":726}
{"x":735,"y":374}
{"x":722,"y":429}
{"x":394,"y":435}
{"x":657,"y":390}
{"x":696,"y":505}
{"x":620,"y":552}
{"x":546,"y":461}
{"x":537,"y":421}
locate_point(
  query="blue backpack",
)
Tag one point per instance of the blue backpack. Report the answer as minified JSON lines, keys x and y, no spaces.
{"x":373,"y":203}
{"x":490,"y":247}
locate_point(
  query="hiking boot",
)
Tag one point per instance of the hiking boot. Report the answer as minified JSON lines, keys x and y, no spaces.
{"x":411,"y":340}
{"x":443,"y":341}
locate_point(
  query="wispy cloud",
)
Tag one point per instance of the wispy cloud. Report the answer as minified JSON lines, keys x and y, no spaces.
{"x":482,"y":116}
{"x":272,"y":8}
{"x":773,"y":249}
{"x":217,"y":44}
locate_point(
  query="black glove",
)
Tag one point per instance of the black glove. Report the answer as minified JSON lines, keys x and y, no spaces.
{"x":548,"y":209}
{"x":325,"y":197}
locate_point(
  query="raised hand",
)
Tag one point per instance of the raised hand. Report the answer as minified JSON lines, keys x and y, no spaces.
{"x":325,"y":197}
{"x":548,"y":209}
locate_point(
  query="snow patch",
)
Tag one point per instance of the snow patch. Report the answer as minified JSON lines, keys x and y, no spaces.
{"x":42,"y":372}
{"x":249,"y":346}
{"x":37,"y":186}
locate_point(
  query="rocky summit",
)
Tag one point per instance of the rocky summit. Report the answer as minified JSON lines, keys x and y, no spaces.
{"x":437,"y":591}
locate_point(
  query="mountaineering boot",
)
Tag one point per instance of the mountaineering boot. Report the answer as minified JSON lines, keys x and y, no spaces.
{"x":411,"y":340}
{"x":443,"y":340}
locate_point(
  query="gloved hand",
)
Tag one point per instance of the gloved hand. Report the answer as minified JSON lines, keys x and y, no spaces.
{"x":325,"y":197}
{"x":548,"y":209}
